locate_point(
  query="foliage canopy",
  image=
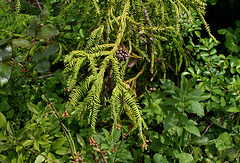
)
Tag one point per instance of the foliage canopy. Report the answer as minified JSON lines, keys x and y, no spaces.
{"x":127,"y":68}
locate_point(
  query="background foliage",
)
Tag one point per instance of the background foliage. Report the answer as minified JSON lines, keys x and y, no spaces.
{"x":117,"y":81}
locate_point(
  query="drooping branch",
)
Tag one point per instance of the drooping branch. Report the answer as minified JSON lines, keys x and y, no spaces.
{"x":150,"y":41}
{"x":146,"y":15}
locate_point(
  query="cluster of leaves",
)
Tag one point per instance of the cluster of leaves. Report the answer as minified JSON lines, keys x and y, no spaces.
{"x":196,"y":120}
{"x":181,"y":131}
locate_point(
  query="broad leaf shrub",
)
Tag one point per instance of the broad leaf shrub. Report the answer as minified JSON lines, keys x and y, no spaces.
{"x":172,"y":107}
{"x":182,"y":129}
{"x":218,"y":77}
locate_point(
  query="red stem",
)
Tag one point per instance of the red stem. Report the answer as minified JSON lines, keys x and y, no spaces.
{"x":39,"y":5}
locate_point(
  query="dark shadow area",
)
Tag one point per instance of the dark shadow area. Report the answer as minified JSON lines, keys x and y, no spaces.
{"x":222,"y":15}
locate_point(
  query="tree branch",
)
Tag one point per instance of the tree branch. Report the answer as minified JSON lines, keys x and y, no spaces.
{"x":39,"y":5}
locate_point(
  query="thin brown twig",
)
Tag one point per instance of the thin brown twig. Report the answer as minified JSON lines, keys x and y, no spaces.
{"x":149,"y":39}
{"x":216,"y":121}
{"x":39,"y":5}
{"x":45,"y":76}
{"x":146,"y":15}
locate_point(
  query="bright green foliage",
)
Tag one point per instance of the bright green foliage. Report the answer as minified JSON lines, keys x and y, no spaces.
{"x":218,"y":77}
{"x":37,"y":134}
{"x":126,"y":24}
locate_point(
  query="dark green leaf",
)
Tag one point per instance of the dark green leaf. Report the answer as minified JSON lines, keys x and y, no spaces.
{"x":51,"y":50}
{"x":224,"y":141}
{"x":156,"y":144}
{"x":170,"y":102}
{"x":28,"y":142}
{"x":10,"y":128}
{"x":237,"y":23}
{"x":238,"y":70}
{"x":211,"y":45}
{"x":21,"y":42}
{"x":232,"y":70}
{"x":32,"y":107}
{"x":62,"y":151}
{"x":43,"y":66}
{"x":37,"y":57}
{"x":184,"y":157}
{"x":157,"y":158}
{"x":3,"y":121}
{"x":124,"y":154}
{"x":116,"y":135}
{"x":5,"y":73}
{"x":197,"y":108}
{"x":166,"y":84}
{"x":186,"y":73}
{"x":147,"y":159}
{"x":215,"y":98}
{"x":47,"y":31}
{"x":44,"y":142}
{"x":202,"y":140}
{"x":237,"y":48}
{"x":204,"y":54}
{"x":4,"y":106}
{"x":213,"y":2}
{"x":36,"y":146}
{"x":44,"y":16}
{"x":170,"y":121}
{"x":39,"y":131}
{"x":222,"y":101}
{"x":81,"y":141}
{"x":88,"y":160}
{"x":32,"y":28}
{"x":3,"y":159}
{"x":232,"y":154}
{"x":203,"y":48}
{"x":222,"y":31}
{"x":106,"y":133}
{"x":193,"y":130}
{"x":233,"y":109}
{"x":5,"y":53}
{"x":4,"y":41}
{"x":56,"y":144}
{"x":191,"y":70}
{"x":213,"y":51}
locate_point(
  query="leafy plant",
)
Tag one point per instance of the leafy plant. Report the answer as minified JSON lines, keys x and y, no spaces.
{"x":173,"y":108}
{"x":217,"y":75}
{"x":116,"y":37}
{"x":116,"y":53}
{"x":232,"y":39}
